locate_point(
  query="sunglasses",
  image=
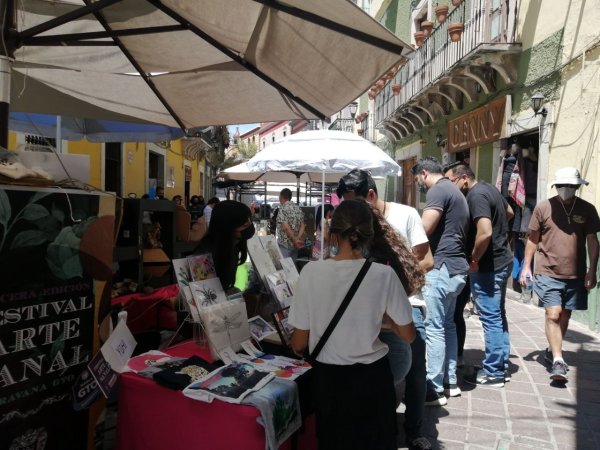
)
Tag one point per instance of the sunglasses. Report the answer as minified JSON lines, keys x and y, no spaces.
{"x":566,"y":185}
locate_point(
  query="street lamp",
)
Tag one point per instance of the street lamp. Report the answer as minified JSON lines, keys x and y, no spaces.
{"x":439,"y":139}
{"x":353,"y":107}
{"x":537,"y":99}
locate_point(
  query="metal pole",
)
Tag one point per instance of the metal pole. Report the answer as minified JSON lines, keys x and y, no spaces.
{"x":4,"y":99}
{"x":6,"y":51}
{"x":58,"y":134}
{"x":322,"y":212}
{"x":297,"y":188}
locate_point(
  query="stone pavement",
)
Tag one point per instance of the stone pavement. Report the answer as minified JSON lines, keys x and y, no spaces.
{"x":529,"y":412}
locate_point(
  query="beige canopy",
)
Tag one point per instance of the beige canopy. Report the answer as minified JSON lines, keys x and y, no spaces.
{"x":203,"y":62}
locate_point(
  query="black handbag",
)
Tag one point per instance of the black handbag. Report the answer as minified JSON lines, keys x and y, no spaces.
{"x":312,"y":358}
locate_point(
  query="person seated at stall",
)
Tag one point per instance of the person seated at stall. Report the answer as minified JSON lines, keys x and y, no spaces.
{"x":355,"y":402}
{"x":324,"y":232}
{"x":230,"y":227}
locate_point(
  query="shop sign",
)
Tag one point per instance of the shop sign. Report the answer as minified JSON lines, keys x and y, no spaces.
{"x":483,"y":125}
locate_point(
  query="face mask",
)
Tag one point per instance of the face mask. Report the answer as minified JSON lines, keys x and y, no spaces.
{"x":565,"y":192}
{"x":247,"y":233}
{"x":422,"y":188}
{"x":328,"y":222}
{"x":334,"y":250}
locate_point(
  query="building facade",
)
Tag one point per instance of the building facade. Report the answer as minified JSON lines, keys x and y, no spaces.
{"x":490,"y":78}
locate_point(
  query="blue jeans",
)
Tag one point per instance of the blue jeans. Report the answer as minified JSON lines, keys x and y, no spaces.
{"x":440,"y":292}
{"x":399,"y":354}
{"x":489,"y":293}
{"x":416,"y":380}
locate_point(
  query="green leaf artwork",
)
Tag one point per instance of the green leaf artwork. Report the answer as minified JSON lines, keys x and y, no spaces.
{"x":34,"y":211}
{"x":58,"y":214}
{"x":29,"y":238}
{"x":5,"y":210}
{"x":62,"y":254}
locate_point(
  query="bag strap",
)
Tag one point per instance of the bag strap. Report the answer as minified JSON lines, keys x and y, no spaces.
{"x":338,"y":314}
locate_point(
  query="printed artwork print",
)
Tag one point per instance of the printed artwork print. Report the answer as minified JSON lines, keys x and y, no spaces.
{"x":231,"y":382}
{"x":226,"y":325}
{"x":284,"y":328}
{"x":260,"y":328}
{"x":207,"y":293}
{"x":202,"y":267}
{"x":181,"y":268}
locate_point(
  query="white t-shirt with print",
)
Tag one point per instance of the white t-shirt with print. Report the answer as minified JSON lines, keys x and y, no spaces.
{"x":319,"y":292}
{"x":407,"y":222}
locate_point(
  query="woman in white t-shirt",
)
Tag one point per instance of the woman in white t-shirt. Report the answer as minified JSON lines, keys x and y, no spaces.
{"x":354,"y":391}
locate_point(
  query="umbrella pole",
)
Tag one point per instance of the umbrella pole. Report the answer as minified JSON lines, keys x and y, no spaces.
{"x":7,"y":13}
{"x":322,"y":213}
{"x":4,"y":99}
{"x":59,"y":134}
{"x":297,"y":188}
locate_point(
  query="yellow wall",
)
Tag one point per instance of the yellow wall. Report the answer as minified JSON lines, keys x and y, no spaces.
{"x":134,"y":171}
{"x":94,"y":151}
{"x":12,"y":141}
{"x":175,"y":159}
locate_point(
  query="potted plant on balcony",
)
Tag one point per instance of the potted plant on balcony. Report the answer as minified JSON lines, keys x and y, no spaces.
{"x":396,"y":89}
{"x":441,"y":12}
{"x":419,"y":38}
{"x":457,"y":2}
{"x":389,"y":75}
{"x":360,"y":131}
{"x":427,"y":27}
{"x":380,"y":83}
{"x":455,"y":31}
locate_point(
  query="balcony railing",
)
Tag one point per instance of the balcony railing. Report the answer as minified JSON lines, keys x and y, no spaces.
{"x":485,"y":22}
{"x":342,"y":125}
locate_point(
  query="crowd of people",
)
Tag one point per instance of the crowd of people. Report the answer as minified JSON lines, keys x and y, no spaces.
{"x":367,"y":328}
{"x":383,"y":303}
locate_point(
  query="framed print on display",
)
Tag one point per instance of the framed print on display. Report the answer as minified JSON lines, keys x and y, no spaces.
{"x":260,"y":328}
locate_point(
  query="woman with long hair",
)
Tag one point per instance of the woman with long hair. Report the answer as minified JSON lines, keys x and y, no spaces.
{"x":316,"y":249}
{"x":230,"y":228}
{"x":354,"y":391}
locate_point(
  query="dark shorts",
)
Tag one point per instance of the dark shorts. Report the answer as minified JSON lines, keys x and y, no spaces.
{"x":569,"y":294}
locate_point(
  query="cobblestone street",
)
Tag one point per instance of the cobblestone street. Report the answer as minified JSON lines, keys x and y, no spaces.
{"x":528,"y":412}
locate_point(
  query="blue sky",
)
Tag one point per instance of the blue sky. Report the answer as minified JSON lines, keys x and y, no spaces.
{"x":243,"y":128}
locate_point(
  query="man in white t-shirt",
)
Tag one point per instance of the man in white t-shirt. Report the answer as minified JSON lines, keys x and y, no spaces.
{"x":407,"y":361}
{"x":208,"y":210}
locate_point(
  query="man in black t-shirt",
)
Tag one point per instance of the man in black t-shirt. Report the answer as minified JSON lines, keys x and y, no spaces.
{"x":490,"y":266}
{"x":446,"y":222}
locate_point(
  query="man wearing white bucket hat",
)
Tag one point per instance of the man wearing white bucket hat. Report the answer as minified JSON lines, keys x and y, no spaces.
{"x":559,"y":230}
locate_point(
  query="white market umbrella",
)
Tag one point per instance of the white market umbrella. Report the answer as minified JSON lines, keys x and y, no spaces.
{"x":191,"y":63}
{"x":325,"y":151}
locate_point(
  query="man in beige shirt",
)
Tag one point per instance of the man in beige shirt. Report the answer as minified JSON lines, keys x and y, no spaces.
{"x":559,"y":230}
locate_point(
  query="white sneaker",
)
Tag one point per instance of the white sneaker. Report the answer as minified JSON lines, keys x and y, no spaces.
{"x":452,"y":390}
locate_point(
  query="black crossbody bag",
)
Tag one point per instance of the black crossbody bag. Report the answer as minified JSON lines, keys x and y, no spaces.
{"x":312,"y":358}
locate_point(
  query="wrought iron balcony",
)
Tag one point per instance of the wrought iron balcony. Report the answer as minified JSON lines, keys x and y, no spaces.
{"x":441,"y":74}
{"x":342,"y":125}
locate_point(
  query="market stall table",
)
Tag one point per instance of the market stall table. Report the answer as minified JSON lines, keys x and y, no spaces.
{"x":151,"y":417}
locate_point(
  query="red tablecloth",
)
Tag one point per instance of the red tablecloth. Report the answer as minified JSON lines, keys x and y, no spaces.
{"x":152,"y":417}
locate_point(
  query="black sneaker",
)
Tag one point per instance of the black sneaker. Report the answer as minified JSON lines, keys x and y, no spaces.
{"x":451,"y":390}
{"x":480,"y":378}
{"x":507,"y":376}
{"x":434,"y":398}
{"x":559,"y":372}
{"x":418,"y":443}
